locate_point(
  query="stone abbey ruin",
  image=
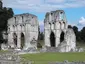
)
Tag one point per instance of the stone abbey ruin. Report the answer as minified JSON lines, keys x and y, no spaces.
{"x":23,"y":32}
{"x":57,"y":33}
{"x":22,"y":36}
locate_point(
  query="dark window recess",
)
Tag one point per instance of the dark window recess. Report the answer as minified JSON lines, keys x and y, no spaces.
{"x":50,"y":23}
{"x":53,"y":22}
{"x":52,"y":39}
{"x":62,"y":37}
{"x":61,"y":12}
{"x":22,"y":19}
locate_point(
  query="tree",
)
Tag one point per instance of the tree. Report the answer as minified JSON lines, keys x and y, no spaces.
{"x":5,"y":14}
{"x":75,"y":29}
{"x":41,"y":36}
{"x":76,"y":32}
{"x":69,"y":26}
{"x":83,"y":34}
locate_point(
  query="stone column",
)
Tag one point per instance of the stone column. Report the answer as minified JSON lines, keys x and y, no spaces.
{"x":19,"y":40}
{"x":10,"y":39}
{"x":27,"y":41}
{"x":57,"y":35}
{"x":27,"y":36}
{"x":47,"y":38}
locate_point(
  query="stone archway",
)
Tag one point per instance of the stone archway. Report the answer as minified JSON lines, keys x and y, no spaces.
{"x":15,"y":38}
{"x":22,"y":40}
{"x":62,"y":36}
{"x":52,"y":39}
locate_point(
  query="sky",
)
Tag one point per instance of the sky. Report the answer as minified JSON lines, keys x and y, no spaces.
{"x":74,"y":9}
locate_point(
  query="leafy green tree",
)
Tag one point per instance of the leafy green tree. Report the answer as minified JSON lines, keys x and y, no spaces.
{"x":83,"y":34}
{"x":79,"y":36}
{"x":41,"y":36}
{"x":69,"y":26}
{"x":75,"y":29}
{"x":5,"y":14}
{"x":76,"y":32}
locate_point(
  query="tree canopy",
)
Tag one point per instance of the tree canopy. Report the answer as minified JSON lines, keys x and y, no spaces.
{"x":80,"y":35}
{"x":5,"y":14}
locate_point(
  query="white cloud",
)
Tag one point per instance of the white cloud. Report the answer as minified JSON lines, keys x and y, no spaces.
{"x":82,"y":21}
{"x":42,"y":5}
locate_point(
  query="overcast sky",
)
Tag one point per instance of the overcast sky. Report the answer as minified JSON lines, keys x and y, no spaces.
{"x":74,"y":9}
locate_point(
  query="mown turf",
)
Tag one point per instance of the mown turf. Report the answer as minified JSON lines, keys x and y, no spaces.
{"x":45,"y":58}
{"x":3,"y":51}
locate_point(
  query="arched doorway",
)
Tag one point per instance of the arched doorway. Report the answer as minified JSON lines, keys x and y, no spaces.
{"x":52,"y":39}
{"x":62,"y":37}
{"x":15,"y":38}
{"x":22,"y":40}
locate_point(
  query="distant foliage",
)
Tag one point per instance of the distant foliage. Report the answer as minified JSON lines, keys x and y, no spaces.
{"x":80,"y":35}
{"x":41,"y":36}
{"x":69,"y":26}
{"x":76,"y":32}
{"x":5,"y":14}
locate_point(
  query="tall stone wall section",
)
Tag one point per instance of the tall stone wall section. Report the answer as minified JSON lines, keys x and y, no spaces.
{"x":27,"y":24}
{"x":56,"y":27}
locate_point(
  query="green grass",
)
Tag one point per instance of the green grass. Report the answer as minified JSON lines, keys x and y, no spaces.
{"x":3,"y":51}
{"x":45,"y":58}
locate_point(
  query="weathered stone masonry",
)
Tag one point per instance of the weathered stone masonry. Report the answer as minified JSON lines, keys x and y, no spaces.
{"x":23,"y":31}
{"x":57,"y":33}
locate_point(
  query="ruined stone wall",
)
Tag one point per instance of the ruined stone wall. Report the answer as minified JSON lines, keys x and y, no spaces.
{"x":23,"y":23}
{"x":10,"y":57}
{"x":57,"y":33}
{"x":54,"y":23}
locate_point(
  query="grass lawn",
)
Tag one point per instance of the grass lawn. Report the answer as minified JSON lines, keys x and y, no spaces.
{"x":45,"y":58}
{"x":3,"y":51}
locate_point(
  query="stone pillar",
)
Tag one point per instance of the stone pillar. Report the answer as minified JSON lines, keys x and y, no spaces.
{"x":19,"y":40}
{"x":27,"y":36}
{"x":57,"y":32}
{"x":27,"y":41}
{"x":10,"y":39}
{"x":47,"y":38}
{"x":57,"y":35}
